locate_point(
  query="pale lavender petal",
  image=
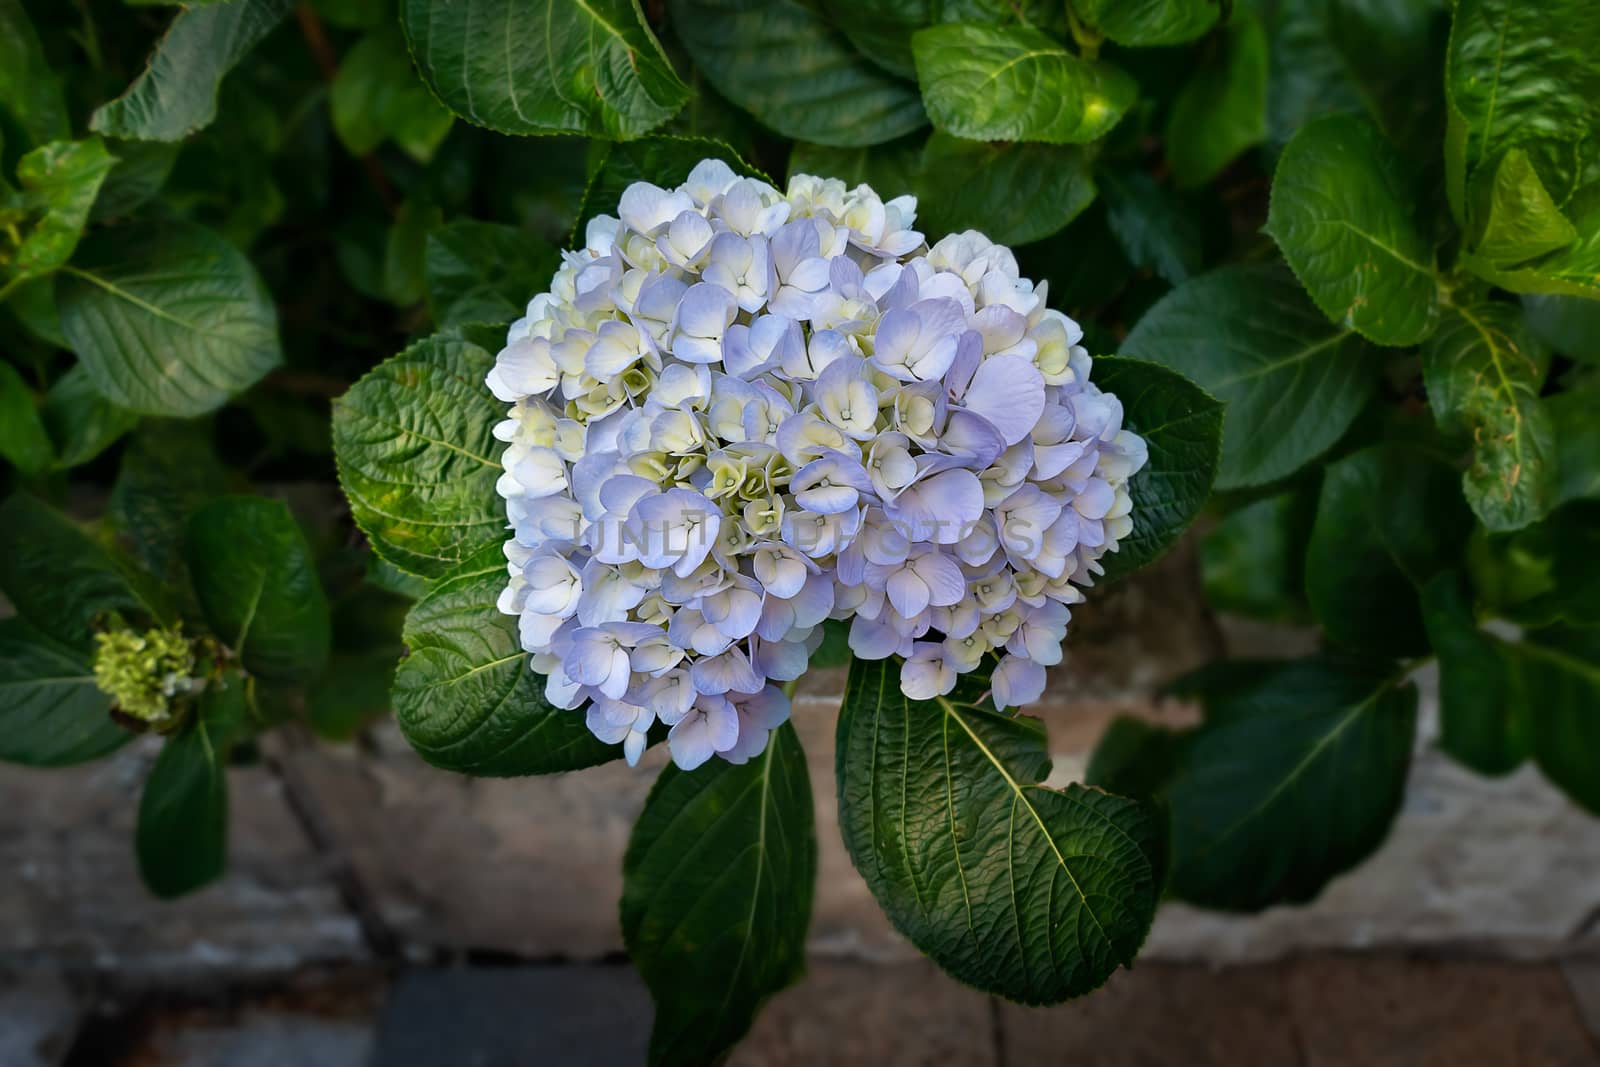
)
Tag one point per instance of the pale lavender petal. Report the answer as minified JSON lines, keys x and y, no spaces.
{"x":1009,"y":392}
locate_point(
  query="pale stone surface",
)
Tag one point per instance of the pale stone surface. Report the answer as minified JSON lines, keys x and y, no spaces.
{"x":73,"y":898}
{"x":38,"y":1018}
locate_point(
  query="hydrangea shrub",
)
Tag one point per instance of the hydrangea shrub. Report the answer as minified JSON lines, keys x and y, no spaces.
{"x":678,"y":349}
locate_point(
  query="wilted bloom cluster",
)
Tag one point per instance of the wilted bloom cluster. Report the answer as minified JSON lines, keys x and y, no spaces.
{"x":739,"y":412}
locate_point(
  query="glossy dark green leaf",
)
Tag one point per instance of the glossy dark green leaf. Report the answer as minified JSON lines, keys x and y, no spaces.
{"x":1342,"y":213}
{"x":1483,"y":372}
{"x":464,"y":695}
{"x":484,"y":272}
{"x":417,"y":455}
{"x":1014,"y":193}
{"x":1568,"y":324}
{"x":1328,"y":747}
{"x":1521,"y":221}
{"x":378,"y":97}
{"x":182,"y":834}
{"x":1153,"y":227}
{"x":1030,"y":893}
{"x":881,"y":30}
{"x":177,"y":92}
{"x":1524,"y":75}
{"x":1389,"y":520}
{"x":142,"y":169}
{"x":29,"y":90}
{"x":663,"y":161}
{"x":61,"y":580}
{"x":1182,"y":426}
{"x":1559,"y":678}
{"x":1015,"y":83}
{"x":551,"y":66}
{"x":1570,"y":271}
{"x":51,"y":713}
{"x":1480,"y":716}
{"x":1222,"y":109}
{"x":258,"y":586}
{"x":81,"y":423}
{"x":716,"y":895}
{"x":59,"y":183}
{"x":1147,"y":23}
{"x":168,"y":319}
{"x":783,"y":63}
{"x":23,"y":441}
{"x":1292,"y":382}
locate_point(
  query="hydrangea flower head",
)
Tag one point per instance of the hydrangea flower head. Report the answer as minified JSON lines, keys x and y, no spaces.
{"x":738,"y":412}
{"x":144,"y":672}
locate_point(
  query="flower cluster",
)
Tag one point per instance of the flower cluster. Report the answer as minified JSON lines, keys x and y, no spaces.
{"x":739,"y":412}
{"x":144,"y":673}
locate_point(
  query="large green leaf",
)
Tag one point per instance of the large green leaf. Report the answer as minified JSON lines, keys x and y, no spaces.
{"x":1562,"y":550}
{"x":377,"y":97}
{"x":1031,"y":893}
{"x":1521,"y":221}
{"x":1568,"y":324}
{"x":1182,"y":426}
{"x":1342,"y":213}
{"x":29,"y":91}
{"x":51,"y":714}
{"x":1483,"y":372}
{"x":548,"y":66}
{"x":1524,"y":76}
{"x":1156,"y":231}
{"x":1252,"y":559}
{"x":177,"y":92}
{"x":464,"y":695}
{"x":1390,"y":518}
{"x":81,"y":423}
{"x":484,"y":272}
{"x":881,"y":30}
{"x":58,"y":578}
{"x":168,"y":318}
{"x":417,"y":455}
{"x":1570,"y":271}
{"x":1014,"y":83}
{"x":182,"y":834}
{"x":23,"y":441}
{"x":1558,"y":675}
{"x":1222,"y":109}
{"x":169,"y":471}
{"x":258,"y":585}
{"x":1292,"y":382}
{"x":716,"y":895}
{"x":663,"y":161}
{"x":1293,"y":778}
{"x":59,"y":183}
{"x":783,"y":63}
{"x":1014,"y":193}
{"x":1577,"y":435}
{"x":1480,"y":717}
{"x":1147,"y":23}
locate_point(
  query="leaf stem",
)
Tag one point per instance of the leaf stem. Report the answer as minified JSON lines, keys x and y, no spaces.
{"x":1087,"y":37}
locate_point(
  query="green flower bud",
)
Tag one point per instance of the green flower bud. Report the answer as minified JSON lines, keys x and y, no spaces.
{"x":144,"y":673}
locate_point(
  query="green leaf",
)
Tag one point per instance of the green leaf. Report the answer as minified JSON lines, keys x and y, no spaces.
{"x":1221,"y":111}
{"x":484,"y":272}
{"x":783,"y":63}
{"x":1252,"y":559}
{"x":141,"y":171}
{"x":1030,"y":893}
{"x":716,"y":895}
{"x":51,"y":714}
{"x":59,"y":183}
{"x":992,"y":83}
{"x":1153,"y":227}
{"x":29,"y":90}
{"x":417,"y":455}
{"x":58,"y":578}
{"x":1389,"y":519}
{"x":1483,"y":371}
{"x":1479,"y":715}
{"x":881,"y":30}
{"x":1521,"y":222}
{"x":464,"y":695}
{"x":1568,"y":324}
{"x":81,"y":423}
{"x":258,"y":586}
{"x":169,"y":471}
{"x":1329,"y":747}
{"x":663,"y":161}
{"x":1577,"y":437}
{"x":377,"y":97}
{"x":1148,"y":23}
{"x":1014,"y":193}
{"x":405,"y":249}
{"x":1182,"y":426}
{"x":182,"y":835}
{"x":177,"y":92}
{"x":23,"y":441}
{"x":1565,"y":547}
{"x":168,"y":318}
{"x":1342,"y":213}
{"x":1524,"y":76}
{"x":1247,"y":335}
{"x":1558,"y":673}
{"x":553,"y":66}
{"x":1572,"y":271}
